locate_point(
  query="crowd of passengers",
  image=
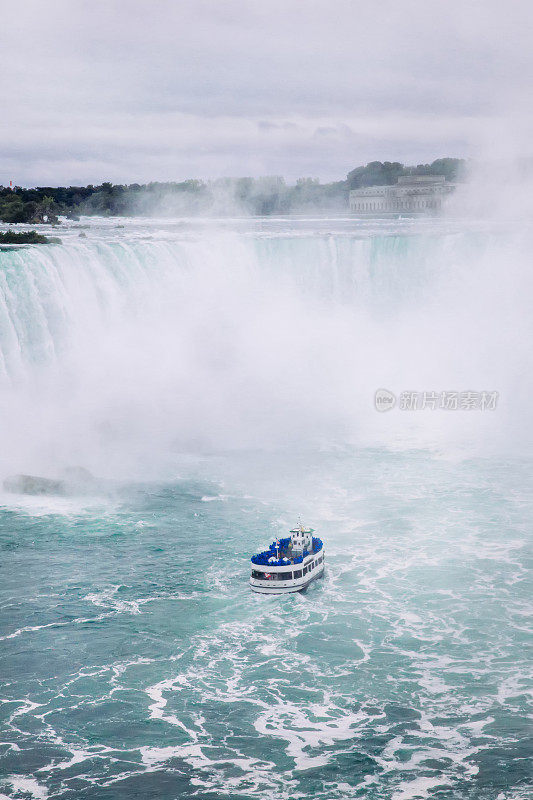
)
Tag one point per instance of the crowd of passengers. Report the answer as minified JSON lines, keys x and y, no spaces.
{"x":268,"y":557}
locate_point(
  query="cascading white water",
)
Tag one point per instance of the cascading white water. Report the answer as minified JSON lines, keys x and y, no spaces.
{"x":122,"y":348}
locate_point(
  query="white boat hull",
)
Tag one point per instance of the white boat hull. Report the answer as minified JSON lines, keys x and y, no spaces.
{"x":287,"y":587}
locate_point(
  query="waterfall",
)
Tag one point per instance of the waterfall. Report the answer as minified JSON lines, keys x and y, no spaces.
{"x":242,"y":339}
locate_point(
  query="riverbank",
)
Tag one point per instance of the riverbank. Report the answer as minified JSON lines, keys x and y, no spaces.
{"x":27,"y":237}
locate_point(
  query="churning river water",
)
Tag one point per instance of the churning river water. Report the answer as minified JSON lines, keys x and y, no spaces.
{"x":217,"y":379}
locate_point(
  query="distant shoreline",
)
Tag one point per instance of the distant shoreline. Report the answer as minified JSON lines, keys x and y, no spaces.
{"x":263,"y":197}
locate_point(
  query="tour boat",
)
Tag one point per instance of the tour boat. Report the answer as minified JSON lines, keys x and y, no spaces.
{"x":289,"y":565}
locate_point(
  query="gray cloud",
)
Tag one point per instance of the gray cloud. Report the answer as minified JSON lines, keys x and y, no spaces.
{"x":156,"y":89}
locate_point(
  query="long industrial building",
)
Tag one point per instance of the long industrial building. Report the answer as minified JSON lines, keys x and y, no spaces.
{"x":412,"y":194}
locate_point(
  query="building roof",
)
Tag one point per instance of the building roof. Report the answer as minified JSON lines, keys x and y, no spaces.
{"x":421,"y":179}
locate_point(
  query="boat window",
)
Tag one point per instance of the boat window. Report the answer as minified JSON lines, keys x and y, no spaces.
{"x":305,"y":571}
{"x":261,"y":576}
{"x":297,"y":573}
{"x":284,"y":576}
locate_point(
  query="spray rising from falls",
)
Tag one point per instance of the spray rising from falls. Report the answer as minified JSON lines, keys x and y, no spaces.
{"x":121,"y":349}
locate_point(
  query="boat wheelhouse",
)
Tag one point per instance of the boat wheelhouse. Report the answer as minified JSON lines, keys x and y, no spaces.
{"x":290,"y":564}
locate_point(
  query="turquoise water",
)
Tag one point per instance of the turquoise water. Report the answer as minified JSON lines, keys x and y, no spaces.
{"x":135,"y":660}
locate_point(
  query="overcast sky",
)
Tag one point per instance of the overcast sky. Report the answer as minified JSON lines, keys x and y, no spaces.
{"x":139,"y":90}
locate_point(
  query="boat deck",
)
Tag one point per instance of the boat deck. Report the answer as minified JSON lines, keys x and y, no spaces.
{"x":284,"y":555}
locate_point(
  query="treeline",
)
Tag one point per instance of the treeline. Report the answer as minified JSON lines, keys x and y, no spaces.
{"x":385,"y":173}
{"x":26,"y":237}
{"x":225,"y":196}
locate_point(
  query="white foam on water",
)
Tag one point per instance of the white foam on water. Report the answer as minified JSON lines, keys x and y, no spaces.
{"x":22,"y":787}
{"x":26,"y":708}
{"x":419,"y":788}
{"x":10,"y":745}
{"x":49,"y":505}
{"x":35,"y":628}
{"x":293,"y":725}
{"x":77,"y":756}
{"x":107,"y":599}
{"x":157,"y":709}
